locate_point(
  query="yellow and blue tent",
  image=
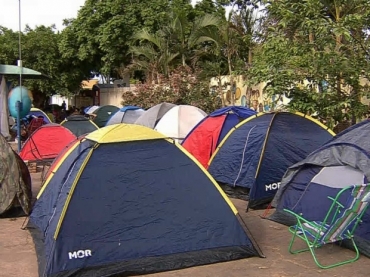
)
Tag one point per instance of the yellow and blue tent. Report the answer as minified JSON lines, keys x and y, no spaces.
{"x":126,"y":199}
{"x":255,"y":154}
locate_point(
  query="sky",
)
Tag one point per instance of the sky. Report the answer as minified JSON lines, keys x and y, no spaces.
{"x":38,"y":12}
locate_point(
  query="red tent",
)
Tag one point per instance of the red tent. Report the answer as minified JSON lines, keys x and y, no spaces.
{"x":59,"y":159}
{"x":203,"y":140}
{"x":46,"y":143}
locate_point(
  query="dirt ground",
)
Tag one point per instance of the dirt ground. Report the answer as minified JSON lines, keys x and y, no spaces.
{"x":18,"y":258}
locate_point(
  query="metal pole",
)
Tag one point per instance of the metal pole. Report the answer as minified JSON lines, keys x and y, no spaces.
{"x":19,"y":103}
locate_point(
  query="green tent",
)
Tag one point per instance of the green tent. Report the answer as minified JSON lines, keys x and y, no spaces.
{"x":103,"y":114}
{"x":15,"y":181}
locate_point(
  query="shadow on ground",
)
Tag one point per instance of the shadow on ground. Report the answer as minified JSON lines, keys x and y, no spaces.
{"x":18,"y":258}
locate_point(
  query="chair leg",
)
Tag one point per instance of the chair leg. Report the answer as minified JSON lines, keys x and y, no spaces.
{"x":336,"y":264}
{"x":292,"y":242}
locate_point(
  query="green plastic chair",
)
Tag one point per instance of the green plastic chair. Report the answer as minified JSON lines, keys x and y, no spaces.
{"x":339,"y":223}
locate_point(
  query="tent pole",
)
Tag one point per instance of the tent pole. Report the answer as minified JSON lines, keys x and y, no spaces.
{"x":19,"y":103}
{"x":19,"y":109}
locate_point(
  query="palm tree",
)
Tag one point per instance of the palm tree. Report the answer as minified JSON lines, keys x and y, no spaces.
{"x":228,"y":39}
{"x":248,"y":26}
{"x":185,"y":35}
{"x":153,"y":56}
{"x":157,"y":52}
{"x":229,"y":44}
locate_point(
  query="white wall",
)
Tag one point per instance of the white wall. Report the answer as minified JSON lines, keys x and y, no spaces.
{"x":112,"y":96}
{"x":58,"y":100}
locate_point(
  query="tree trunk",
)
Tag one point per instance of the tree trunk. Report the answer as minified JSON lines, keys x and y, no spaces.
{"x":338,"y":43}
{"x":232,"y":96}
{"x":311,"y":37}
{"x":220,"y":92}
{"x":339,"y":76}
{"x":183,"y":60}
{"x":249,"y":88}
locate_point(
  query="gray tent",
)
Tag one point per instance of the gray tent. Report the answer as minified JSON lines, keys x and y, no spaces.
{"x":341,"y":162}
{"x":15,"y":181}
{"x":127,"y":114}
{"x":151,"y":117}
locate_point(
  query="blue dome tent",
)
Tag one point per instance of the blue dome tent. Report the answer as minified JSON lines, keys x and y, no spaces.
{"x":128,"y":200}
{"x":255,"y":154}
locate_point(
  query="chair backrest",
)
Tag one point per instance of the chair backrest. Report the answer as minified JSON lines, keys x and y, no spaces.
{"x":345,"y":222}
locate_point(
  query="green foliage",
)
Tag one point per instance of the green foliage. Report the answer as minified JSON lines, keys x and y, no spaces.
{"x":181,"y":87}
{"x":313,"y":51}
{"x":204,"y":7}
{"x":9,"y":46}
{"x":158,"y":52}
{"x":316,"y":45}
{"x":40,"y":51}
{"x":242,"y":4}
{"x":103,"y":30}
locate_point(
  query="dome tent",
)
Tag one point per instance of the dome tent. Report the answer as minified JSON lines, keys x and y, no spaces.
{"x":152,"y":116}
{"x":203,"y":140}
{"x":15,"y":185}
{"x":102,"y":114}
{"x":91,"y":109}
{"x":179,"y":121}
{"x":46,"y":142}
{"x":127,"y":114}
{"x":256,"y":153}
{"x":341,"y":162}
{"x":79,"y":125}
{"x":76,"y":226}
{"x":37,"y":113}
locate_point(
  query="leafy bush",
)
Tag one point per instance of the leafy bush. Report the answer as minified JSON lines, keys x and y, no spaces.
{"x":182,"y":87}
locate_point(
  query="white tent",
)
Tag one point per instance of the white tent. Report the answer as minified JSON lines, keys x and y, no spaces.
{"x":152,"y":116}
{"x":4,"y":113}
{"x":179,"y":121}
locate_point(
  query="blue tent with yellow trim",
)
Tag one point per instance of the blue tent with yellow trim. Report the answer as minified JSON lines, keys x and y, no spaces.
{"x":127,"y":200}
{"x":255,"y":154}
